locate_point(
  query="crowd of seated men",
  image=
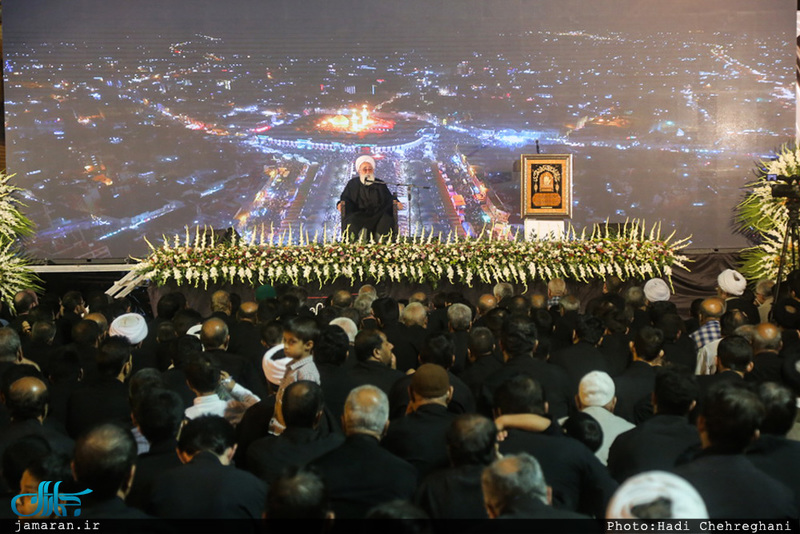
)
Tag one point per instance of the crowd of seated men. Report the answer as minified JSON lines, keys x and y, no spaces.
{"x":430,"y":407}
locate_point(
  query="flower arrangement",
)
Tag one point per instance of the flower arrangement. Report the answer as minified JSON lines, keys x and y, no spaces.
{"x":15,"y":273}
{"x":279,"y":258}
{"x":764,"y":217}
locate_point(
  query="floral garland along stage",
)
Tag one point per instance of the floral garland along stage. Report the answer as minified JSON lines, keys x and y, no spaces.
{"x":422,"y":258}
{"x":764,"y":216}
{"x":15,"y":272}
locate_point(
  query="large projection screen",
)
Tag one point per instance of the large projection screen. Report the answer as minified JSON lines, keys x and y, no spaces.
{"x":127,"y":120}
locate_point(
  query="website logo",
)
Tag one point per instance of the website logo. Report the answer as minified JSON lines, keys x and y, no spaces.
{"x":48,"y":503}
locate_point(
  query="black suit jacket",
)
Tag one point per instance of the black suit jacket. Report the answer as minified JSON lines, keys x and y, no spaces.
{"x":268,"y":456}
{"x":635,"y":384}
{"x":204,"y":488}
{"x":160,"y":458}
{"x":419,"y":438}
{"x":104,"y":400}
{"x":376,"y":374}
{"x":579,"y":481}
{"x":656,"y":444}
{"x":336,"y":384}
{"x":578,"y":360}
{"x":360,"y":474}
{"x":779,"y":458}
{"x":462,"y":401}
{"x":732,"y":487}
{"x":453,"y":493}
{"x":554,"y":380}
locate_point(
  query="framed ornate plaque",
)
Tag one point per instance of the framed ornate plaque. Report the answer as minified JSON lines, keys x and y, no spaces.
{"x":546,"y":185}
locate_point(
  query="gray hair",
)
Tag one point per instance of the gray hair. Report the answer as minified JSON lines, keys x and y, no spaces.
{"x":513,"y":476}
{"x":503,"y":290}
{"x":350,"y":328}
{"x":570,"y":303}
{"x":765,"y":287}
{"x":634,"y":296}
{"x":363,"y":304}
{"x":9,"y":343}
{"x":414,"y":314}
{"x":366,"y":409}
{"x":459,"y":316}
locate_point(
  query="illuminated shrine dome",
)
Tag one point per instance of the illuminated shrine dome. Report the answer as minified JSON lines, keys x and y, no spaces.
{"x":348,"y":130}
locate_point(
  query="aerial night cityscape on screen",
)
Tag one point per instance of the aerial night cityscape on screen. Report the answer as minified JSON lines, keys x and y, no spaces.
{"x":253,"y":112}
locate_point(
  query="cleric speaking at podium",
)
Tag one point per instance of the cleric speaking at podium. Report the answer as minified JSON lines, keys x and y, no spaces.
{"x":366,"y":204}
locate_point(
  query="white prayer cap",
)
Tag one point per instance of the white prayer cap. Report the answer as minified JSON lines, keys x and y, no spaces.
{"x":596,"y":389}
{"x":131,"y":326}
{"x":656,"y":290}
{"x":274,"y":369}
{"x":678,"y":495}
{"x":350,"y":328}
{"x":362,"y":159}
{"x":731,"y":282}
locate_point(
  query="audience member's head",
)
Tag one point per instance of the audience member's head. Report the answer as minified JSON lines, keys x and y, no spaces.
{"x":675,"y":392}
{"x":302,"y":404}
{"x":158,"y":413}
{"x":215,"y":334}
{"x":10,"y":344}
{"x":511,"y":478}
{"x":781,"y":408}
{"x":596,"y":389}
{"x":207,"y":433}
{"x":131,"y":326}
{"x":298,"y":493}
{"x":518,"y":395}
{"x":27,"y":398}
{"x":459,"y":317}
{"x":333,"y":346}
{"x":656,"y":495}
{"x":114,"y":357}
{"x":202,"y":374}
{"x":438,"y":349}
{"x":415,"y":314}
{"x":518,"y":337}
{"x":730,"y":418}
{"x":366,"y":411}
{"x":648,"y":343}
{"x":104,"y":461}
{"x":734,"y":353}
{"x":348,"y":325}
{"x":584,"y":428}
{"x":472,"y":440}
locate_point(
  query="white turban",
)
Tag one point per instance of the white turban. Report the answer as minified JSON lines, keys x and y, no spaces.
{"x":731,"y":282}
{"x":362,"y":159}
{"x":131,"y":326}
{"x":684,"y":500}
{"x":656,"y":290}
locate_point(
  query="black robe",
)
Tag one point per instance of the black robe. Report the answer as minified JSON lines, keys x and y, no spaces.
{"x":368,"y":208}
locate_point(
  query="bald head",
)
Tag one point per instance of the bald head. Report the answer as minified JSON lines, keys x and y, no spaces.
{"x":27,"y":399}
{"x":538,"y":301}
{"x":214,"y":334}
{"x":420,"y":297}
{"x":485,"y":303}
{"x":101,"y":321}
{"x":766,"y":336}
{"x":247,"y":311}
{"x":711,"y":308}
